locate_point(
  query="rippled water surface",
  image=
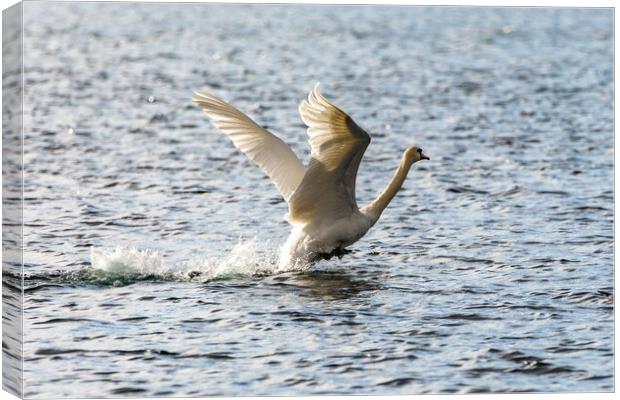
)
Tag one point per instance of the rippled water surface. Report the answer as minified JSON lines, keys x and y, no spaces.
{"x":150,"y":240}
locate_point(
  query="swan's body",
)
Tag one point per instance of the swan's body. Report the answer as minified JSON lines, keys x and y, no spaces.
{"x":321,"y":196}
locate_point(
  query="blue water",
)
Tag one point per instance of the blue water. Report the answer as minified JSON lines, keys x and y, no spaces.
{"x":491,"y":270}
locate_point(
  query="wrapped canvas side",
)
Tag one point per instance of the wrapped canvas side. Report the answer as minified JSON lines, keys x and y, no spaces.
{"x":12,"y":201}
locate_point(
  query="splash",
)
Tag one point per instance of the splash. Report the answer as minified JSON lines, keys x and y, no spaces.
{"x":128,"y":259}
{"x":126,"y":264}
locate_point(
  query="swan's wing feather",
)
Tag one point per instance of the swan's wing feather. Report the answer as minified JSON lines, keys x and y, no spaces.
{"x":267,"y":150}
{"x":329,"y":127}
{"x":338,"y":145}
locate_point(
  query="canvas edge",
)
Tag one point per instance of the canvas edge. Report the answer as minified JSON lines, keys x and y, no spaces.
{"x":12,"y":200}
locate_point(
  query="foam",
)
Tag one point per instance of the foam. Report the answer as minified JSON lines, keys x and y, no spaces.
{"x":246,"y":258}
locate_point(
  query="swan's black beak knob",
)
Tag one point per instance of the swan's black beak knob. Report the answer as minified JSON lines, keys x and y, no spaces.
{"x":422,"y":155}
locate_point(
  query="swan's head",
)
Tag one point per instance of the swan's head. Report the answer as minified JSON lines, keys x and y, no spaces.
{"x":414,"y":154}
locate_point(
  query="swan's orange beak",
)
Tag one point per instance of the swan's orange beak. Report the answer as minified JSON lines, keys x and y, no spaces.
{"x":424,"y":156}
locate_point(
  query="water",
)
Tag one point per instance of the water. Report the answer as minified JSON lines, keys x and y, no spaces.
{"x":491,"y":270}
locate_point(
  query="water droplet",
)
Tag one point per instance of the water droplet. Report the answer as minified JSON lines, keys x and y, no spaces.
{"x":151,"y":99}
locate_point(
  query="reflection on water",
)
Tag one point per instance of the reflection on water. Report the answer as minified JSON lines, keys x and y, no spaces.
{"x":329,"y":285}
{"x":490,"y":272}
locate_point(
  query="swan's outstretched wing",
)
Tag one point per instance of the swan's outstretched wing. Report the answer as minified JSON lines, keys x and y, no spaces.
{"x":338,"y":145}
{"x":267,"y":150}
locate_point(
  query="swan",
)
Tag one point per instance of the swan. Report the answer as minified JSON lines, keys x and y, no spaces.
{"x":321,"y":200}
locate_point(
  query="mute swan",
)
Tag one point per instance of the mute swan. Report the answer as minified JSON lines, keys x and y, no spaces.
{"x":321,"y":195}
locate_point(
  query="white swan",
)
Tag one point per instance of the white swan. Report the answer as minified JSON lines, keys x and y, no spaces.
{"x":321,"y":195}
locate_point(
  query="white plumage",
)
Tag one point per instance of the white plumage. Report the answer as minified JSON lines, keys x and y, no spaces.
{"x":321,"y":197}
{"x":267,"y":150}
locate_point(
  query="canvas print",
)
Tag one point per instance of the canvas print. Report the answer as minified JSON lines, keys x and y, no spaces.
{"x":209,"y":199}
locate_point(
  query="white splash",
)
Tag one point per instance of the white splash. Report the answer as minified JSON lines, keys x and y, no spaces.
{"x":127,"y":259}
{"x":247,"y":258}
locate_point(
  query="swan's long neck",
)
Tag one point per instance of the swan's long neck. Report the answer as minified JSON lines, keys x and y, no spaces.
{"x":376,"y":207}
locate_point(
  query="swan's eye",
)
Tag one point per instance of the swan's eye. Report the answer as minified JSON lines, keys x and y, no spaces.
{"x":419,"y":150}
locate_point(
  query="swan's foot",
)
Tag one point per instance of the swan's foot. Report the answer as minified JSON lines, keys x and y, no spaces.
{"x":342,"y":252}
{"x":338,"y":252}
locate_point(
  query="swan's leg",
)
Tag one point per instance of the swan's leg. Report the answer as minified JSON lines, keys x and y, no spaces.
{"x":338,"y":252}
{"x":341,"y":252}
